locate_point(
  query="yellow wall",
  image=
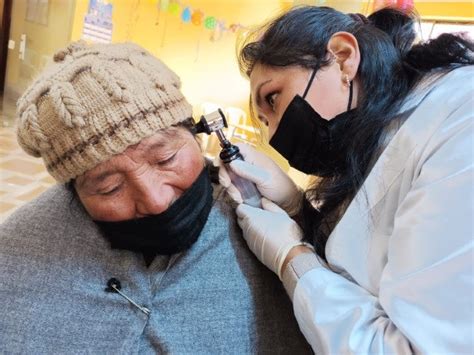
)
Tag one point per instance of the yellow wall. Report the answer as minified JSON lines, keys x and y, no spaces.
{"x":441,"y":9}
{"x":208,"y":68}
{"x":446,"y":9}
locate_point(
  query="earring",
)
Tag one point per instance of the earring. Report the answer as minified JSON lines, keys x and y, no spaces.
{"x":346,"y":79}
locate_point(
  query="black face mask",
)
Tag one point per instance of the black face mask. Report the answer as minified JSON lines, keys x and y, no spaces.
{"x":310,"y":143}
{"x":170,"y":232}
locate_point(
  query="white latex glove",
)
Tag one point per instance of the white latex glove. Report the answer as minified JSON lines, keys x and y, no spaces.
{"x":270,"y":233}
{"x":272,"y":182}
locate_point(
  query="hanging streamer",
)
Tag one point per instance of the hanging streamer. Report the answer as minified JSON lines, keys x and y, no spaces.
{"x":164,"y":5}
{"x":218,"y":31}
{"x":173,"y":8}
{"x":197,"y":17}
{"x":186,"y":15}
{"x":210,"y":22}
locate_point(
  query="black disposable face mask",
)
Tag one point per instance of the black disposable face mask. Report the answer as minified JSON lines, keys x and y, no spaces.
{"x":310,"y":143}
{"x":170,"y":232}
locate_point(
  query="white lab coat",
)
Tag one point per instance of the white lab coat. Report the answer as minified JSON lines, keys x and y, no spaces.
{"x":400,"y":274}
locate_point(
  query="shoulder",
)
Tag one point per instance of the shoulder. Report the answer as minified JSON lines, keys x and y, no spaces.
{"x":220,"y":197}
{"x":47,"y":219}
{"x":439,"y":100}
{"x":459,"y":76}
{"x":457,"y":85}
{"x":447,"y":107}
{"x":436,"y":140}
{"x":223,"y":208}
{"x":52,"y":204}
{"x":454,"y":86}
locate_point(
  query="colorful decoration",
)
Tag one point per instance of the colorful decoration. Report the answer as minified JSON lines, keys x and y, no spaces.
{"x":173,"y":8}
{"x":197,"y":17}
{"x":210,"y":22}
{"x":164,"y":5}
{"x":186,"y":15}
{"x":218,"y":31}
{"x":404,"y":5}
{"x":234,"y":27}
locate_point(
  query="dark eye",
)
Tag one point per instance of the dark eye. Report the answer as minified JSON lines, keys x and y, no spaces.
{"x":271,"y":98}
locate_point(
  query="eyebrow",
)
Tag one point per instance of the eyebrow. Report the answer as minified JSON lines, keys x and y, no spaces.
{"x":259,"y":87}
{"x":96,"y":179}
{"x":156,"y":145}
{"x":105,"y":174}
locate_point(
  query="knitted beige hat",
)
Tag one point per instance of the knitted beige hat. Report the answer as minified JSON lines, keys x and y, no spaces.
{"x":93,"y":103}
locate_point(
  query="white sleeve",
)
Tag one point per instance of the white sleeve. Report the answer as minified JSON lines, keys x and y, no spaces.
{"x":425,"y":301}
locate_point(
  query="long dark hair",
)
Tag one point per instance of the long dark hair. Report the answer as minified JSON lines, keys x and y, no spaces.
{"x":389,"y":69}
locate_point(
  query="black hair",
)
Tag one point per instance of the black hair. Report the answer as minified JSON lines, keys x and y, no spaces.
{"x":390,"y":67}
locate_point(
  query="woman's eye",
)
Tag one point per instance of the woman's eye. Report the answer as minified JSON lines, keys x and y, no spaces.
{"x":270,"y":98}
{"x":167,"y":160}
{"x":108,"y":192}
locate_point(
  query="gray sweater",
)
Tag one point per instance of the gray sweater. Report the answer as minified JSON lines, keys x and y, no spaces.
{"x":214,"y":298}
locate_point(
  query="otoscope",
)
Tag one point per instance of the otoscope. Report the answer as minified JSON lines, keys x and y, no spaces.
{"x":215,"y":122}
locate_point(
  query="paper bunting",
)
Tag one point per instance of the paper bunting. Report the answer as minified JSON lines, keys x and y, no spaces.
{"x":164,"y":4}
{"x":173,"y":8}
{"x":186,"y":15}
{"x":197,"y":17}
{"x":210,"y":22}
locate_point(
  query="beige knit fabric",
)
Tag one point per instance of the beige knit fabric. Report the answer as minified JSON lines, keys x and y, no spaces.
{"x":93,"y":103}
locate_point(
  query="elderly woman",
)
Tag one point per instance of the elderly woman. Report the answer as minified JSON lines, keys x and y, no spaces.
{"x":135,"y":250}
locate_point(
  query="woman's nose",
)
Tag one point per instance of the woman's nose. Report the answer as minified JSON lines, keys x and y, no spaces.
{"x":152,"y":198}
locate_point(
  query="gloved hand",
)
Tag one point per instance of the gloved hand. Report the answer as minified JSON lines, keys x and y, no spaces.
{"x":270,"y":233}
{"x":272,"y":182}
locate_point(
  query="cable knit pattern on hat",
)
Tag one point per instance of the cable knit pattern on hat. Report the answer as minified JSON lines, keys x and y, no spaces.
{"x":93,"y":103}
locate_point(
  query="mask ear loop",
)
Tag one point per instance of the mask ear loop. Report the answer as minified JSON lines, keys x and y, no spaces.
{"x":350,"y":96}
{"x":351,"y":89}
{"x":309,"y":83}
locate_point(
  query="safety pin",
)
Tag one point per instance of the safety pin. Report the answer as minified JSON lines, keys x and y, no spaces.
{"x":114,"y":284}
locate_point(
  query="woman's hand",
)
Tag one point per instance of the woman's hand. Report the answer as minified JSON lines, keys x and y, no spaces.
{"x":271,"y":234}
{"x":272,"y":182}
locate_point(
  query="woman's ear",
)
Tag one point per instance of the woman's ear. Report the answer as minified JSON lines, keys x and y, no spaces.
{"x":345,"y":48}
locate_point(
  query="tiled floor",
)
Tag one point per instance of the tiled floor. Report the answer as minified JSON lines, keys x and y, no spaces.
{"x":22,"y":177}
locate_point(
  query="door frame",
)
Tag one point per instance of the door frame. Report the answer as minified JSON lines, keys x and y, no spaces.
{"x":4,"y":37}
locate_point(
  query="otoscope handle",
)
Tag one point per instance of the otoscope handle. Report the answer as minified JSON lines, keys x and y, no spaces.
{"x":250,"y":195}
{"x":249,"y":192}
